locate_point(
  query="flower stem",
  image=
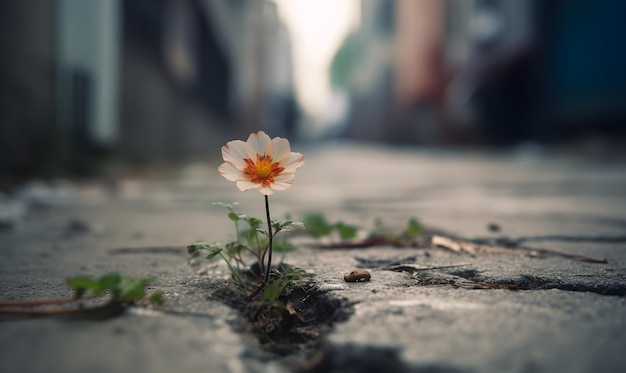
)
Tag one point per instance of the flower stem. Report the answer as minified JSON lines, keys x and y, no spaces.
{"x":266,"y":276}
{"x":270,"y":236}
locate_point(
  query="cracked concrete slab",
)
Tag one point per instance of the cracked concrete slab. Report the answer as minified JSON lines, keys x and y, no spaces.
{"x":567,"y":316}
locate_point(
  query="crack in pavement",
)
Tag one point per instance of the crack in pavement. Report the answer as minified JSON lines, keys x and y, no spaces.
{"x":473,"y":279}
{"x":514,"y":242}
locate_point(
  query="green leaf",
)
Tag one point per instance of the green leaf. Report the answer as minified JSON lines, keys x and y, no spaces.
{"x":133,"y":288}
{"x":81,"y":285}
{"x":78,"y":283}
{"x":235,"y":216}
{"x":234,"y":248}
{"x":253,"y":222}
{"x":346,"y":231}
{"x":276,"y":225}
{"x":198,"y":246}
{"x":120,"y":287}
{"x":414,"y":228}
{"x":272,"y":291}
{"x":96,"y":287}
{"x":291,"y":226}
{"x":156,"y":298}
{"x":107,"y":282}
{"x":214,"y":253}
{"x":317,"y":225}
{"x":295,"y":274}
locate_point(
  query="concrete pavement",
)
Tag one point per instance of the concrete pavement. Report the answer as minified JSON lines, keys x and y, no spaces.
{"x":571,"y":315}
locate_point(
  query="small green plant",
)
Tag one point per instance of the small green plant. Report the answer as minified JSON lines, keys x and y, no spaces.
{"x":284,"y":283}
{"x":412,"y":230}
{"x":251,"y":241}
{"x":318,"y":226}
{"x":121,"y":291}
{"x":120,"y":288}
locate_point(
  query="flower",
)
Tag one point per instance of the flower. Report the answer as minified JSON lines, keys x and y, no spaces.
{"x":260,"y":163}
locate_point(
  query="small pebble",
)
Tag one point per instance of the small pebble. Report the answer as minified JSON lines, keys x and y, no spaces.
{"x":357,"y":275}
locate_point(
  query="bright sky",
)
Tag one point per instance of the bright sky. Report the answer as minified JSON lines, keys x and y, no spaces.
{"x":317,"y":28}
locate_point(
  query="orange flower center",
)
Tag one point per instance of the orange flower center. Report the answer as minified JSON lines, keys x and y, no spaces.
{"x":263,"y":170}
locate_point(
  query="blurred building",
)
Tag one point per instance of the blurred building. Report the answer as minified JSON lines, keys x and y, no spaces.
{"x":27,"y":97}
{"x":140,"y":80}
{"x":257,"y":44}
{"x":363,"y":67}
{"x":494,"y":71}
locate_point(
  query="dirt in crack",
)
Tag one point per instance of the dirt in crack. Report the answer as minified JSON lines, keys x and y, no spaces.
{"x":295,"y":323}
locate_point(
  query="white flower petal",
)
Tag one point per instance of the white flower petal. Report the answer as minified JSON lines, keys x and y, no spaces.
{"x":257,"y":144}
{"x":234,"y":152}
{"x":280,"y":149}
{"x":283,"y":181}
{"x":266,"y":190}
{"x":293,"y":162}
{"x":244,"y":185}
{"x":230,"y":172}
